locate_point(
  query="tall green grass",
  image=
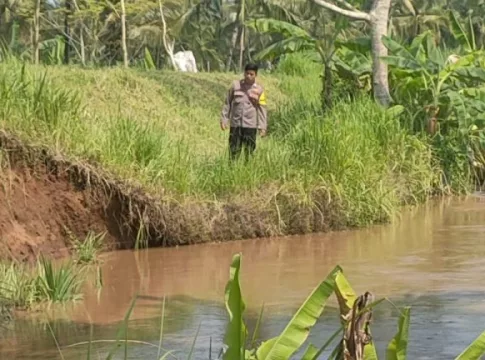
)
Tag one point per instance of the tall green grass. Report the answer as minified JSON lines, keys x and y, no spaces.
{"x":23,"y":285}
{"x":161,"y":129}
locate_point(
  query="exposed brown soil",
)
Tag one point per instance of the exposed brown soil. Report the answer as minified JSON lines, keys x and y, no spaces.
{"x":42,"y":194}
{"x":44,"y":200}
{"x":35,"y":208}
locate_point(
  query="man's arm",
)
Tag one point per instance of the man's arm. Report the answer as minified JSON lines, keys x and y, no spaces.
{"x":226,"y":109}
{"x":262,"y":113}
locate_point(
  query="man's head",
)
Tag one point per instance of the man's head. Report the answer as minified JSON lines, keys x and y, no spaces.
{"x":250,"y":73}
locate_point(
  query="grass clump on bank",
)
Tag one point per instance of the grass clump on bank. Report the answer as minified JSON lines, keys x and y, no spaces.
{"x":86,"y":251}
{"x":24,"y":286}
{"x":354,"y":166}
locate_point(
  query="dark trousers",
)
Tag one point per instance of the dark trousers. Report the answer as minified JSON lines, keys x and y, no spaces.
{"x":242,"y":139}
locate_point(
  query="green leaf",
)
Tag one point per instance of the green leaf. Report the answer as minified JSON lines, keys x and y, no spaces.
{"x":475,"y":350}
{"x":458,"y":31}
{"x":370,"y":352}
{"x":235,"y":337}
{"x":361,"y":44}
{"x":458,"y":105}
{"x":433,"y":53}
{"x":256,"y":328}
{"x":409,"y":5}
{"x":345,"y":294}
{"x":149,"y":63}
{"x":402,"y":62}
{"x":395,"y":111}
{"x":396,"y":49}
{"x":123,"y":329}
{"x":471,"y":33}
{"x":310,"y":353}
{"x":298,"y":329}
{"x":416,"y":49}
{"x":397,"y":348}
{"x":286,"y":46}
{"x":267,"y":25}
{"x":469,"y":72}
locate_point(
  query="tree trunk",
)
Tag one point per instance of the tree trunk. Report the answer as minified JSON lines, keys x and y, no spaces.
{"x":123,"y":34}
{"x":243,"y":35}
{"x":327,"y":87}
{"x":379,"y":18}
{"x":37,"y":32}
{"x":81,"y":41}
{"x":168,"y":45}
{"x":235,"y":32}
{"x":67,"y":32}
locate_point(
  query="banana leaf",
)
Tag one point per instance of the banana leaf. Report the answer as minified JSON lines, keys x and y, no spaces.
{"x":475,"y":350}
{"x":298,"y":329}
{"x":235,"y":337}
{"x":397,"y":348}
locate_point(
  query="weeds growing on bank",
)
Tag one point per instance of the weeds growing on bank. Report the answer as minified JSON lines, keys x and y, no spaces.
{"x":161,"y":129}
{"x":24,"y":285}
{"x":86,"y":251}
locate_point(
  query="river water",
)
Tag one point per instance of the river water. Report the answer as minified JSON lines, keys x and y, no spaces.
{"x":432,"y":258}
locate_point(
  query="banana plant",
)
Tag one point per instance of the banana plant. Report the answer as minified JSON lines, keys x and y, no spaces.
{"x":296,"y":332}
{"x":447,"y":92}
{"x":294,"y":38}
{"x":438,"y":85}
{"x":292,"y":337}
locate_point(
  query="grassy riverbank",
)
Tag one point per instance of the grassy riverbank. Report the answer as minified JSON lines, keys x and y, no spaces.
{"x":351,"y":167}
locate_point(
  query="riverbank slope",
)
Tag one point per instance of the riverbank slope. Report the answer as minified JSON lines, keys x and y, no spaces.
{"x":139,"y":154}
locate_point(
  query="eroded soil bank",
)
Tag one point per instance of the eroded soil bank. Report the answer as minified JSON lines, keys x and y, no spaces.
{"x":432,"y":259}
{"x":44,"y":197}
{"x":44,"y":200}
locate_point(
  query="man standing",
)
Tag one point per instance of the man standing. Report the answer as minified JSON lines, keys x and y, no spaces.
{"x":244,"y":111}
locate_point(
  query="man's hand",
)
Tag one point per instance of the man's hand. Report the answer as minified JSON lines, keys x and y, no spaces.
{"x":223,"y":126}
{"x":262,"y":132}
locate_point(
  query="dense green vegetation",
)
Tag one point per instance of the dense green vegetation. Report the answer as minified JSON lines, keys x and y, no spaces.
{"x":334,"y":158}
{"x":348,"y":163}
{"x":353,"y":166}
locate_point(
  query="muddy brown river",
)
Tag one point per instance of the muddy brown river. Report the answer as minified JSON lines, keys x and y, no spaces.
{"x":432,"y":258}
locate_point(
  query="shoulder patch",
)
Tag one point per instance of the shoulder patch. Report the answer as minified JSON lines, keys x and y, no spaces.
{"x":262,"y":98}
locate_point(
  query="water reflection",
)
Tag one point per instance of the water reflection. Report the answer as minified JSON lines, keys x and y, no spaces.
{"x":433,"y":258}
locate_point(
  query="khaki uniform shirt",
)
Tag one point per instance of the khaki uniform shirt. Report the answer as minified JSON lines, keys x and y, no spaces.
{"x":245,"y":106}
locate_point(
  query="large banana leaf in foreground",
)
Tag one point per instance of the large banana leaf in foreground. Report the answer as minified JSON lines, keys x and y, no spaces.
{"x":397,"y":348}
{"x":298,"y":329}
{"x":476,"y":349}
{"x":235,"y":337}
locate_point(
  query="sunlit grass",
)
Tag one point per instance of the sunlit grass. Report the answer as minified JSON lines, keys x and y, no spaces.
{"x":160,"y":129}
{"x":86,"y":251}
{"x":24,"y":285}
